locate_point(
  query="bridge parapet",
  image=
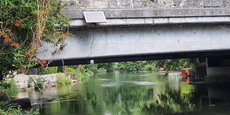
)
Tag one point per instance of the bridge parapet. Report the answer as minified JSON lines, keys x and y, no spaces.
{"x":146,"y":42}
{"x":151,"y":4}
{"x":147,"y":8}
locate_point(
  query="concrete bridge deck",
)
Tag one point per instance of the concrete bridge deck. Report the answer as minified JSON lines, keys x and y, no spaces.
{"x":144,"y":29}
{"x":147,"y":41}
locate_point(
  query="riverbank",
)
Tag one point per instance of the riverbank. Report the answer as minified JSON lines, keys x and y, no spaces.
{"x":49,"y":80}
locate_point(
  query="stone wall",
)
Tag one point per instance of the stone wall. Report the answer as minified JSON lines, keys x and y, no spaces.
{"x":49,"y":79}
{"x":146,"y":4}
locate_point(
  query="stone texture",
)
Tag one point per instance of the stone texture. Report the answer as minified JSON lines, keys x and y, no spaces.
{"x":147,"y":8}
{"x":140,"y":4}
{"x":84,"y":3}
{"x":112,"y":4}
{"x":22,"y":80}
{"x":100,"y":4}
{"x":124,"y":4}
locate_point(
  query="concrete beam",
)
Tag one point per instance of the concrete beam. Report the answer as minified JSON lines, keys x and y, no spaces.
{"x":154,"y":21}
{"x":140,"y":41}
{"x":150,"y":13}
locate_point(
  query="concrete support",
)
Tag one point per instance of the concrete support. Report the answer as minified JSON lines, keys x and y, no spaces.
{"x":200,"y":69}
{"x":218,"y":70}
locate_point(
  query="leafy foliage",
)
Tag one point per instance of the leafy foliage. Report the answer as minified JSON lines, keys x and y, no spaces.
{"x":9,"y":86}
{"x":7,"y":109}
{"x":174,"y":64}
{"x":81,"y":72}
{"x":63,"y":80}
{"x":48,"y":70}
{"x":23,"y":24}
{"x":129,"y":66}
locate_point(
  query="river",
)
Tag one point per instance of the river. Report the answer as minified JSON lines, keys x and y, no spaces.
{"x":134,"y":93}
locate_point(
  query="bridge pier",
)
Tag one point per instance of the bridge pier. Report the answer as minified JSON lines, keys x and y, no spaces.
{"x":218,"y":70}
{"x":200,"y":70}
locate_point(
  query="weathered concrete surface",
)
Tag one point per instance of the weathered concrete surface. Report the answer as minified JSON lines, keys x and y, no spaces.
{"x":127,"y":4}
{"x":154,"y":21}
{"x":146,"y":13}
{"x":113,"y":42}
{"x":147,"y":8}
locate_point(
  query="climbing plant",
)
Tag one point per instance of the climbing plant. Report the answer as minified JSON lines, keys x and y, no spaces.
{"x":23,"y":25}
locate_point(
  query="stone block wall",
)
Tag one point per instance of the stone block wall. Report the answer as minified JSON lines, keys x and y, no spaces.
{"x":145,"y":4}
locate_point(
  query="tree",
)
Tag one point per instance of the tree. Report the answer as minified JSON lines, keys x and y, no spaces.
{"x":23,"y":25}
{"x":174,"y":64}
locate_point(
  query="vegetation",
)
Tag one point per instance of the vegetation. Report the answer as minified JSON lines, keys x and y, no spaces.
{"x":29,"y":83}
{"x":39,"y":83}
{"x":148,"y":67}
{"x":174,"y":64}
{"x":166,"y":65}
{"x":48,"y":70}
{"x":82,"y":71}
{"x":63,"y":80}
{"x":23,"y":25}
{"x":10,"y":87}
{"x":130,"y":66}
{"x":7,"y":109}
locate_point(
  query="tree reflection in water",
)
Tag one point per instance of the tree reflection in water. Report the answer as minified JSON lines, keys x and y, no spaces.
{"x":171,"y":102}
{"x":91,"y":98}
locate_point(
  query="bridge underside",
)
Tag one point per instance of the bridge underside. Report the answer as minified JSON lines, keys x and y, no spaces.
{"x":112,"y":44}
{"x":211,"y":54}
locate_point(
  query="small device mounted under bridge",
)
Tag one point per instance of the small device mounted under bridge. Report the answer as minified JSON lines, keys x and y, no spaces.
{"x":94,"y":17}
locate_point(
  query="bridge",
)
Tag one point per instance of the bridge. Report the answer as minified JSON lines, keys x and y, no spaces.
{"x":144,"y":30}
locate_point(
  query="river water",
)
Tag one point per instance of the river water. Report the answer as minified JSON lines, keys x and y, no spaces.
{"x":136,"y":93}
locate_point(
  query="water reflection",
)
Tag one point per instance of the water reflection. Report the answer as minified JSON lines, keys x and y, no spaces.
{"x":142,"y":95}
{"x":140,"y":82}
{"x":133,"y":94}
{"x":110,"y":84}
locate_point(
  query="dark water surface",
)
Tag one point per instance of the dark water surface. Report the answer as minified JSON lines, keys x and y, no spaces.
{"x":143,"y":93}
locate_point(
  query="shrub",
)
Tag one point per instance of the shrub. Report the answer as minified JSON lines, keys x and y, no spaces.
{"x":48,"y":70}
{"x":10,"y":87}
{"x":63,"y":80}
{"x":101,"y":70}
{"x":81,"y":73}
{"x":70,"y":70}
{"x":130,"y":66}
{"x":148,"y":67}
{"x":7,"y":109}
{"x":23,"y":24}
